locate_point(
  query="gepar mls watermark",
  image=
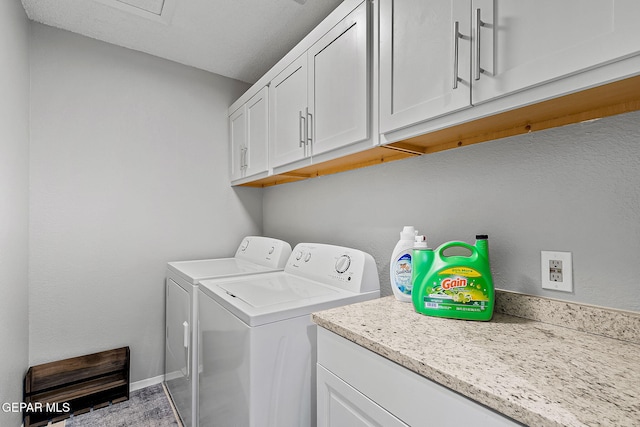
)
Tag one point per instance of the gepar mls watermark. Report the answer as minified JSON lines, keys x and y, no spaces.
{"x":32,"y":407}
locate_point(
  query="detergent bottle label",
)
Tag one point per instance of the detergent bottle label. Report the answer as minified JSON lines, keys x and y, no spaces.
{"x":460,"y":289}
{"x":402,"y":272}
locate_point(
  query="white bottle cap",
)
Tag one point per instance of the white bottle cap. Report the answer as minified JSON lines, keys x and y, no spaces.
{"x":408,"y":233}
{"x":420,"y":242}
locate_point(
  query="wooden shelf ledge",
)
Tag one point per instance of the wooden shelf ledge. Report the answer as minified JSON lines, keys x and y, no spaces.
{"x":602,"y":101}
{"x":362,"y":159}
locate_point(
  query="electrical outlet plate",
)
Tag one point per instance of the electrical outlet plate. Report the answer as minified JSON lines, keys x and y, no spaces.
{"x":556,"y":271}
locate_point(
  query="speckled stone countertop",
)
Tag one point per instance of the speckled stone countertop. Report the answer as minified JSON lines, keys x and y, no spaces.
{"x":557,"y":364}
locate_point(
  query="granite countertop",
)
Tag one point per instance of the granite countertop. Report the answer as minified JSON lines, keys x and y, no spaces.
{"x":529,"y":368}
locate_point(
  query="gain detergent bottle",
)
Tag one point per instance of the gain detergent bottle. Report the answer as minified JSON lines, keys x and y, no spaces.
{"x":457,"y":286}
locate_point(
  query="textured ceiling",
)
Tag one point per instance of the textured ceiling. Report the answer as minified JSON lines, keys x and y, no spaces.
{"x":241,"y":39}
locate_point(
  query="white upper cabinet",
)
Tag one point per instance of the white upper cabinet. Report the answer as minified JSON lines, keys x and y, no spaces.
{"x":338,"y":113}
{"x":249,"y":134}
{"x":425,"y":54}
{"x":288,"y":102}
{"x":256,"y":155}
{"x":238,"y":139}
{"x":491,"y":48}
{"x":320,"y":102}
{"x":525,"y":43}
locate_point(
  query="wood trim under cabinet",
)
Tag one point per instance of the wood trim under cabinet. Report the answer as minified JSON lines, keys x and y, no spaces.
{"x":373,"y":156}
{"x":602,"y":101}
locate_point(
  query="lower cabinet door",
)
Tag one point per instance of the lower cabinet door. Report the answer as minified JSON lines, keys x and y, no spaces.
{"x":340,"y":405}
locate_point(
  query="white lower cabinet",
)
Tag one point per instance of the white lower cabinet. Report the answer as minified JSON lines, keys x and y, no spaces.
{"x":357,"y":387}
{"x":339,"y":404}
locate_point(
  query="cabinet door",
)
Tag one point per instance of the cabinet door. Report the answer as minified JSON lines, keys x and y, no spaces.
{"x":256,"y":154}
{"x":339,"y":85}
{"x":424,"y":62}
{"x":525,"y":43}
{"x":340,"y":405}
{"x":288,"y":106}
{"x":238,"y":142}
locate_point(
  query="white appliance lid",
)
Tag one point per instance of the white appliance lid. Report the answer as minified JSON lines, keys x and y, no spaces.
{"x":194,"y":271}
{"x":274,"y":290}
{"x":271,"y":297}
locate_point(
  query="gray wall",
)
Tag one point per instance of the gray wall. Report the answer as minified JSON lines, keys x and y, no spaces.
{"x":574,"y":188}
{"x":128,"y":171}
{"x":14,"y":208}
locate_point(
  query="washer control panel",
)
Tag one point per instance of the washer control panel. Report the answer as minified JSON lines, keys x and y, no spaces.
{"x":264,"y":251}
{"x":345,"y":268}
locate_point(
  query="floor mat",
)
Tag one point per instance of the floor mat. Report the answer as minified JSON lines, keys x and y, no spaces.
{"x":147,"y":407}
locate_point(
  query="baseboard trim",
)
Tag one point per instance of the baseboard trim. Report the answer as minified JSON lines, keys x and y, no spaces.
{"x":146,"y":383}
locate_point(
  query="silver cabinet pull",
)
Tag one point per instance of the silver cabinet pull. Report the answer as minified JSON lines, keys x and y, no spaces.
{"x":303,"y":128}
{"x":456,"y":37}
{"x":479,"y":24}
{"x":246,"y":157}
{"x":309,"y":126}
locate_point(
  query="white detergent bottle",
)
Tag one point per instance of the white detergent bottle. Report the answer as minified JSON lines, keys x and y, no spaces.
{"x":400,"y":267}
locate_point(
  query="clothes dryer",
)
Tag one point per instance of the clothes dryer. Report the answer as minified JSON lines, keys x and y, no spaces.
{"x":258,"y":342}
{"x":255,"y":255}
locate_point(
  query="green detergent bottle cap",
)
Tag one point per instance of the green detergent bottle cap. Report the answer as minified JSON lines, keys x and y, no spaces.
{"x":420,"y":242}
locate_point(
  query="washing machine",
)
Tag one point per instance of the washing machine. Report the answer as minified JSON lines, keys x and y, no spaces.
{"x":255,"y":255}
{"x":258,"y":342}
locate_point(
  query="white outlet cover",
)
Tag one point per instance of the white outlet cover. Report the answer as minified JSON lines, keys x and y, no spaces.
{"x":567,"y":271}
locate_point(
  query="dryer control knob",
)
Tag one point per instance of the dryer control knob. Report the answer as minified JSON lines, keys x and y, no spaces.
{"x":343,"y":263}
{"x":307,"y":257}
{"x":244,"y":244}
{"x":298,"y":255}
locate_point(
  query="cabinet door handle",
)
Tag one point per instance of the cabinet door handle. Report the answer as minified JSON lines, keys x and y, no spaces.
{"x":303,"y":128}
{"x":456,"y":37}
{"x":246,"y":157}
{"x":479,"y":24}
{"x":309,"y":126}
